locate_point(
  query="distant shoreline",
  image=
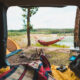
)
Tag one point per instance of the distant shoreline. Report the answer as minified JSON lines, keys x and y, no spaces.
{"x":46,"y":31}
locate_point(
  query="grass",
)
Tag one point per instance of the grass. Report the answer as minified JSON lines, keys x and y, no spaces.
{"x":16,"y":33}
{"x":21,"y":39}
{"x":56,"y":58}
{"x":53,"y":45}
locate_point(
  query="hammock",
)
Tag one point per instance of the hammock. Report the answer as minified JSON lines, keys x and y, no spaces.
{"x":12,"y":46}
{"x":44,"y":43}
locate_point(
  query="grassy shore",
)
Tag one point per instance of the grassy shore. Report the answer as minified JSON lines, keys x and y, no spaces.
{"x":22,"y":40}
{"x":58,"y":53}
{"x":53,"y":45}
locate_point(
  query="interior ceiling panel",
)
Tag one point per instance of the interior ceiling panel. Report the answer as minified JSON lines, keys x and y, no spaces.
{"x":40,"y":2}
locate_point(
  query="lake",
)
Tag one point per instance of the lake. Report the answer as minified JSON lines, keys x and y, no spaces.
{"x":68,"y":41}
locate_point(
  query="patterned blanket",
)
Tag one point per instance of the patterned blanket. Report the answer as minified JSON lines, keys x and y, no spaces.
{"x":36,"y":70}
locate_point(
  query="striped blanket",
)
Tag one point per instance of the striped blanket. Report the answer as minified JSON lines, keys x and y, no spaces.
{"x":36,"y":70}
{"x":17,"y":73}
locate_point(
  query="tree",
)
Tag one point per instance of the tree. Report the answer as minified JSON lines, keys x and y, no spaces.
{"x":27,"y":13}
{"x":77,"y":29}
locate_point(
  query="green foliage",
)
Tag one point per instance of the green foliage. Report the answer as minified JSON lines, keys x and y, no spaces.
{"x":33,"y":11}
{"x":16,"y":33}
{"x":41,"y":31}
{"x":24,"y":9}
{"x":52,"y":31}
{"x":24,"y":15}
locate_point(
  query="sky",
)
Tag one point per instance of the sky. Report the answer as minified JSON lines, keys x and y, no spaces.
{"x":46,"y":17}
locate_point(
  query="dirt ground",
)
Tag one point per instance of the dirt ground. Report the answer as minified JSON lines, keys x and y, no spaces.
{"x":56,"y":56}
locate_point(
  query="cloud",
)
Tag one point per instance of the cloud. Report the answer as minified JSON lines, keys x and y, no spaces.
{"x":46,"y":17}
{"x":54,"y":18}
{"x":14,"y":18}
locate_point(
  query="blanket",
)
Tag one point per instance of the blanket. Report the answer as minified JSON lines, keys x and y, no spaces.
{"x":35,"y":70}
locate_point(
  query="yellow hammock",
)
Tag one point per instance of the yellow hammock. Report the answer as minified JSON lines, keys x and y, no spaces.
{"x":67,"y":75}
{"x":11,"y":46}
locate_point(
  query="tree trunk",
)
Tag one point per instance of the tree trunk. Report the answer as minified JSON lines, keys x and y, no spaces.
{"x":28,"y":28}
{"x":77,"y":29}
